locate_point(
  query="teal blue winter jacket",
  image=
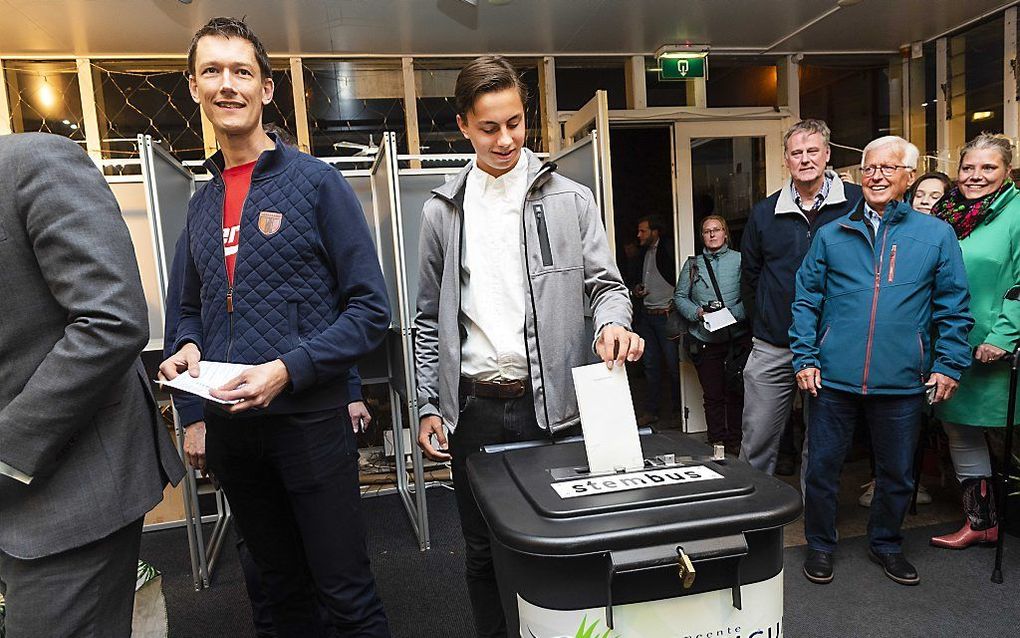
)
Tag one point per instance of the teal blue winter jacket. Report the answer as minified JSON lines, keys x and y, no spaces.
{"x":694,"y":289}
{"x":868,"y":312}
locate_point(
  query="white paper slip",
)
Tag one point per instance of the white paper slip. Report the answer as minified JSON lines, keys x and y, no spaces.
{"x":607,"y":418}
{"x":718,"y":320}
{"x":212,"y":374}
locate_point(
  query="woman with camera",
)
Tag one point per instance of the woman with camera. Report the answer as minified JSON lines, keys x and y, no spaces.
{"x":708,"y":283}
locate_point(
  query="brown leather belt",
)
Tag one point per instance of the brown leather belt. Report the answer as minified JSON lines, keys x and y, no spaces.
{"x":503,"y":389}
{"x":657,"y":311}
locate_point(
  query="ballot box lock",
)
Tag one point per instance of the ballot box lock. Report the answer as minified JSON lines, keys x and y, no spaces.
{"x":686,"y":568}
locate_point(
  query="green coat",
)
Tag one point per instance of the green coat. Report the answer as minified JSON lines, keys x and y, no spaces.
{"x":991,"y":254}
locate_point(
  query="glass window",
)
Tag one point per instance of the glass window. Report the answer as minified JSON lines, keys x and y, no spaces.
{"x":577,"y":80}
{"x":350,"y":104}
{"x":728,"y":178}
{"x":44,"y":97}
{"x":281,"y":110}
{"x":852,"y":96}
{"x":975,"y":82}
{"x":739,"y":82}
{"x":931,"y":98}
{"x":147,"y":98}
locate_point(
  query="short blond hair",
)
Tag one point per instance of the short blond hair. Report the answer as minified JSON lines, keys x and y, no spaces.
{"x":989,"y":141}
{"x":721,"y":220}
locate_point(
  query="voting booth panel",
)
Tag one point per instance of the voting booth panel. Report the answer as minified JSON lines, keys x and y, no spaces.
{"x":375,"y":368}
{"x":581,"y":162}
{"x":134,"y":208}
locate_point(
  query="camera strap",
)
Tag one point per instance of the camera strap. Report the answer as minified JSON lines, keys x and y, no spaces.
{"x":711,"y":275}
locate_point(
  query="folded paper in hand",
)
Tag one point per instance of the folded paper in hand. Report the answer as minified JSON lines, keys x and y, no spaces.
{"x":607,"y":418}
{"x":719,"y":319}
{"x":212,"y":375}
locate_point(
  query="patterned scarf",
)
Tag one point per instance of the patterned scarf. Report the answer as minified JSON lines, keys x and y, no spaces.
{"x":964,"y":215}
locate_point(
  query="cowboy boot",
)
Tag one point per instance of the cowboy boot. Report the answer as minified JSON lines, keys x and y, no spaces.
{"x":981,"y":525}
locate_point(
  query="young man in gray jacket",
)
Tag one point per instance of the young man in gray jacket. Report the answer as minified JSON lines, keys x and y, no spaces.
{"x":509,"y":250}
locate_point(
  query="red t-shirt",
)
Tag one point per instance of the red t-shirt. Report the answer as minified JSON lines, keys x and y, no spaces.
{"x":236,"y":181}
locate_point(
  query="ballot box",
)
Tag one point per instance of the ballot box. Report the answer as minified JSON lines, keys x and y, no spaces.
{"x":685,"y":546}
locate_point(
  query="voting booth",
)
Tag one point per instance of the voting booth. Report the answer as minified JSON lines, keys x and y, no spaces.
{"x":686,"y":545}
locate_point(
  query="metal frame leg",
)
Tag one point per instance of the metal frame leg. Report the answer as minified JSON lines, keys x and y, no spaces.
{"x":190,"y":488}
{"x":416,"y":507}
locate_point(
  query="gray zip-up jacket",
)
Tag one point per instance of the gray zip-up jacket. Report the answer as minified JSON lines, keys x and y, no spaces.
{"x":565,"y":256}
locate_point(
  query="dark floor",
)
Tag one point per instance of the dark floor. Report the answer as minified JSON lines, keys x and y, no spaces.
{"x":425,"y":596}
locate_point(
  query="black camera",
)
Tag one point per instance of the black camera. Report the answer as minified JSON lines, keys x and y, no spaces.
{"x":713,"y":306}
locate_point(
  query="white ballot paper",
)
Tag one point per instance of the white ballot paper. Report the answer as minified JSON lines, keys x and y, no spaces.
{"x":607,"y":418}
{"x":718,"y":320}
{"x":211,"y":375}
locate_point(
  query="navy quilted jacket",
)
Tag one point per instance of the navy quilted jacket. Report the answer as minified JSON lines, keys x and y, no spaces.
{"x":308,"y":292}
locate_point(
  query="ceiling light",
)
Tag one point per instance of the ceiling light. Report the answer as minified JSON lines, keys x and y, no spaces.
{"x":847,"y":3}
{"x":682,"y":51}
{"x":977,"y":116}
{"x":46,"y":96}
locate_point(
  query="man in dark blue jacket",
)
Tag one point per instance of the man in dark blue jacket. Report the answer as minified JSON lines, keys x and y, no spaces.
{"x":873,"y":289}
{"x":280,"y":272}
{"x":777,"y":235}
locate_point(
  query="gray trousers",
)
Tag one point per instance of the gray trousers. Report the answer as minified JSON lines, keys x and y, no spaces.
{"x":770,"y":386}
{"x":969,"y":450}
{"x":86,"y":592}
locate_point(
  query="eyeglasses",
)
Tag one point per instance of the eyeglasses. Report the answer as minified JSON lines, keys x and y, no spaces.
{"x":887,"y":170}
{"x":712,"y":231}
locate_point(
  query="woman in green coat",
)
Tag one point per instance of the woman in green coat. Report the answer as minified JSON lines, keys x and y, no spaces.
{"x":984,"y":210}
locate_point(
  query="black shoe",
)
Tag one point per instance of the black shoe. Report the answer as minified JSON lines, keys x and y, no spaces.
{"x":786,"y":465}
{"x":818,"y":566}
{"x":896,"y":567}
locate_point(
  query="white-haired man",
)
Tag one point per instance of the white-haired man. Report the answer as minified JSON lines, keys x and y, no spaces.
{"x":880,"y":314}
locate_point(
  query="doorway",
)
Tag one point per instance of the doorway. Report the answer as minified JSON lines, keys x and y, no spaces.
{"x":642,"y":157}
{"x":723,"y":168}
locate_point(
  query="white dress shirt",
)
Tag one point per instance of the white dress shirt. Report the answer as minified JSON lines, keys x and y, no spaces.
{"x":492,"y":275}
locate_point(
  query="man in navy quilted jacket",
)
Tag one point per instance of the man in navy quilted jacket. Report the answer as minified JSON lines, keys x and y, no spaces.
{"x":280,"y":272}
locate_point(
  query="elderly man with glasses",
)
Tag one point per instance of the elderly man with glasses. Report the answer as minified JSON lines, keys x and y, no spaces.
{"x":880,"y":320}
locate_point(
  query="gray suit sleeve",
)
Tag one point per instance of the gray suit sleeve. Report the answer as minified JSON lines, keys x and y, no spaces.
{"x":85,"y":255}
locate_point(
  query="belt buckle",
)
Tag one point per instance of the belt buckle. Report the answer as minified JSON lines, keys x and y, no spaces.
{"x":509,"y":388}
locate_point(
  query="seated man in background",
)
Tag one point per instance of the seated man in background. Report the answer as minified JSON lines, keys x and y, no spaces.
{"x":873,"y":287}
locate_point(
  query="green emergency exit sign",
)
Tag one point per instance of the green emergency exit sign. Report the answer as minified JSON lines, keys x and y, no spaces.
{"x":682,"y":68}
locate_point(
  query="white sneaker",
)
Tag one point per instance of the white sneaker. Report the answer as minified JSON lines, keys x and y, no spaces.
{"x":869,"y":494}
{"x":923,"y":497}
